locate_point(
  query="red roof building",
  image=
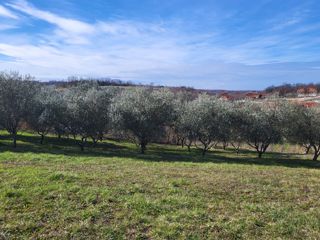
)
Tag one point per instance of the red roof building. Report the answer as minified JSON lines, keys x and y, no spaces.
{"x":255,"y":95}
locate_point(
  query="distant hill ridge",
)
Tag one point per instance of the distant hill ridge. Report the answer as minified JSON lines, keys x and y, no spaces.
{"x":74,"y":81}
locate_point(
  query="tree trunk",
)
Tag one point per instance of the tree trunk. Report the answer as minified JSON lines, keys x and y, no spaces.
{"x":224,"y":146}
{"x":189,"y":148}
{"x":204,"y":150}
{"x":262,"y":149}
{"x":188,"y":142}
{"x":178,"y":141}
{"x":316,"y":153}
{"x":42,"y":139}
{"x":315,"y":157}
{"x":307,"y":151}
{"x":94,"y":141}
{"x":14,"y":136}
{"x":82,"y":143}
{"x":143,"y":146}
{"x":236,"y":147}
{"x":182,"y":142}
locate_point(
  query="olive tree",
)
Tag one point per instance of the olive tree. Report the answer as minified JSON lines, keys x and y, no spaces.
{"x":48,"y":113}
{"x":93,"y":111}
{"x":205,"y":120}
{"x":181,"y":125}
{"x":88,"y":112}
{"x":261,"y":125}
{"x":40,"y":116}
{"x":184,"y":126}
{"x":238,"y":123}
{"x":225,"y":122}
{"x":16,"y":99}
{"x":144,"y":113}
{"x":303,"y":127}
{"x":58,"y":112}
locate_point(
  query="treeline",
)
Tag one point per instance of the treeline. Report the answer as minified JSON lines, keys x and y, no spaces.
{"x":89,"y":111}
{"x":74,"y":81}
{"x":292,"y":90}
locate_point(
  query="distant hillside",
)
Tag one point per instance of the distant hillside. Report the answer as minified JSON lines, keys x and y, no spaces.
{"x":294,"y":90}
{"x":74,"y":81}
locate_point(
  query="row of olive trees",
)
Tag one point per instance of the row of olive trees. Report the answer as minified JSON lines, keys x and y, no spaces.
{"x":207,"y":121}
{"x":78,"y":112}
{"x":88,"y":111}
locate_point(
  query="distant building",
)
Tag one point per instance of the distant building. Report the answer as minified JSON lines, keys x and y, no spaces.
{"x":255,"y":95}
{"x":225,"y":96}
{"x":301,"y":92}
{"x":312,"y":91}
{"x":307,"y":92}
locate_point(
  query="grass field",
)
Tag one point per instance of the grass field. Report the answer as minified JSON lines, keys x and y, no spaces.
{"x":112,"y":192}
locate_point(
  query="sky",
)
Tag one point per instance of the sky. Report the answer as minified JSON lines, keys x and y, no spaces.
{"x":207,"y":44}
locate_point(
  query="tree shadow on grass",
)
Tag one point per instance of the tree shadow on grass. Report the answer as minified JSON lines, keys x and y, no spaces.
{"x":62,"y":146}
{"x":155,"y":152}
{"x":229,"y":156}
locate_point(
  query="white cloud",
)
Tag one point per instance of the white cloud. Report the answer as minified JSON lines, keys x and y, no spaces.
{"x":4,"y":12}
{"x":71,"y":30}
{"x":74,"y":31}
{"x":66,"y":24}
{"x":7,"y":26}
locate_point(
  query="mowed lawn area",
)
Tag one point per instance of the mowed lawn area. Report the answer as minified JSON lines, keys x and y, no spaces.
{"x":55,"y":191}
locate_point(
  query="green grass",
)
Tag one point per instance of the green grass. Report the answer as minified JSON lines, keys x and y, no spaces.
{"x":112,"y":192}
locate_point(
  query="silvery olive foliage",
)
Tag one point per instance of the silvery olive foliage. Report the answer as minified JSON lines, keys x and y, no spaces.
{"x":58,"y":112}
{"x":302,"y":126}
{"x":181,"y":126}
{"x":16,"y":100}
{"x":44,"y":110}
{"x":88,"y":112}
{"x":143,"y":113}
{"x":261,"y":125}
{"x":238,"y":122}
{"x":203,"y":120}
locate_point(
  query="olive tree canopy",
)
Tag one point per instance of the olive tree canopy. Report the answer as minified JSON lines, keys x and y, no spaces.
{"x":262,"y":125}
{"x":42,"y":115}
{"x":205,"y":120}
{"x":88,"y":112}
{"x":303,"y":127}
{"x":16,"y":100}
{"x":143,"y":112}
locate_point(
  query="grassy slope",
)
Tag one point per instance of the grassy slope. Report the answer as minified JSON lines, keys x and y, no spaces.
{"x":111,"y":192}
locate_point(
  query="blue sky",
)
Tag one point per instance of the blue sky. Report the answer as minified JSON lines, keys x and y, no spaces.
{"x":230,"y":44}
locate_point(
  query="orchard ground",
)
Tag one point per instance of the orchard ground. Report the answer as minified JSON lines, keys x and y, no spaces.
{"x":55,"y":191}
